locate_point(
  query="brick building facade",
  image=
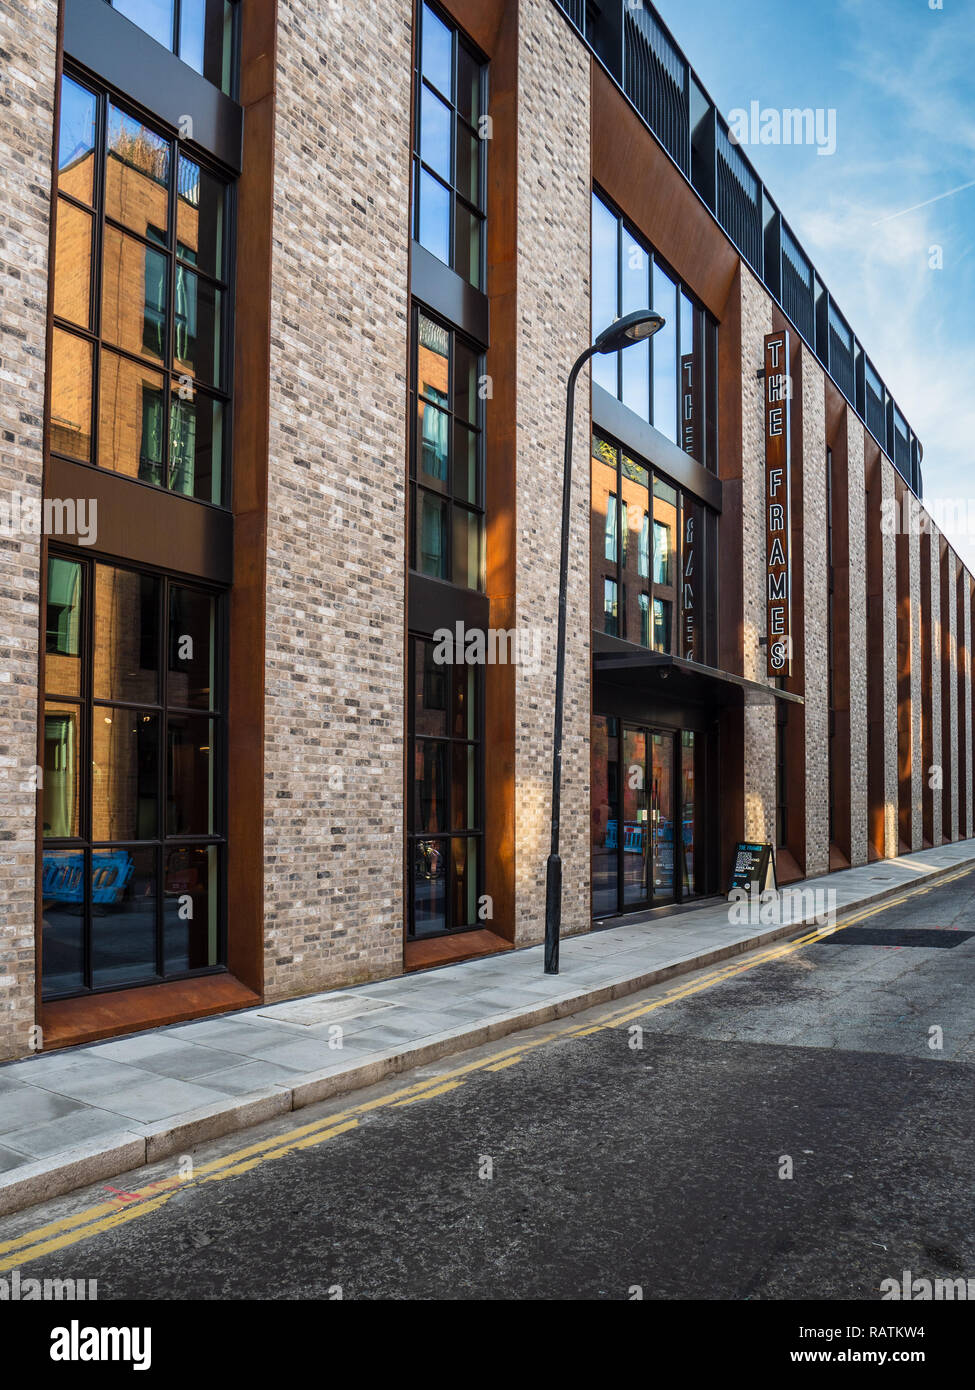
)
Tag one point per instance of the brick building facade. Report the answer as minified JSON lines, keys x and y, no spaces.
{"x":331,"y":428}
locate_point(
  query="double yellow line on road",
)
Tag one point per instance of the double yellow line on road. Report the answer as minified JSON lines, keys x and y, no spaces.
{"x":118,"y":1211}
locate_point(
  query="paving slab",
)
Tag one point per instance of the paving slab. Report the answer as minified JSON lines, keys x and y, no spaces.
{"x":83,"y":1114}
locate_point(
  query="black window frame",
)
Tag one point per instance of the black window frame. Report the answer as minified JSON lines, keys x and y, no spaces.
{"x":477,"y":210}
{"x":88,"y":706}
{"x":106,"y":95}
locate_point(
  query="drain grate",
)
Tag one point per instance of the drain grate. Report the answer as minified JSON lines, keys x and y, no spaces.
{"x":927,"y":938}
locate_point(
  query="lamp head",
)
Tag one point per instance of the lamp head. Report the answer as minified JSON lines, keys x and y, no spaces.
{"x":630,"y":329}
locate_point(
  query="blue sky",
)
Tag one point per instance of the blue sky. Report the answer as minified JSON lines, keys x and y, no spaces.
{"x":901,"y":79}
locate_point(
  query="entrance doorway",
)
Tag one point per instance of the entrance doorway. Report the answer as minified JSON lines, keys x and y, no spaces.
{"x":644,"y":816}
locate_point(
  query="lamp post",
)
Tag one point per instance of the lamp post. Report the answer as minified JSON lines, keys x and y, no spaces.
{"x":632,"y":328}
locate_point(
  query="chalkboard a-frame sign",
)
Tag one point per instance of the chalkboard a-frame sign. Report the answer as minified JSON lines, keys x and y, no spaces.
{"x":753,"y":864}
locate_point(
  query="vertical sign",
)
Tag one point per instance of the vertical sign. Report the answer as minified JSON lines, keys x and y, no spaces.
{"x":778,"y":504}
{"x":688,"y":556}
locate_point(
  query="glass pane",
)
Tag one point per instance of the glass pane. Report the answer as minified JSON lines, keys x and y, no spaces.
{"x":466,"y":470}
{"x":200,"y":204}
{"x":664,"y":536}
{"x":190,"y":806}
{"x":62,"y":760}
{"x":467,"y":245}
{"x":154,"y":17}
{"x":636,"y":845}
{"x":662,"y":612}
{"x":429,"y":887}
{"x":662,"y":814}
{"x":468,"y":177}
{"x":603,"y":525}
{"x":635,"y":525}
{"x":467,"y":548}
{"x":124,"y":889}
{"x":124,"y":774}
{"x":464,"y":886}
{"x":636,"y":295}
{"x":463,"y":702}
{"x":137,"y":176}
{"x":429,"y":785}
{"x":429,"y":693}
{"x":467,"y":365}
{"x":463,"y":802}
{"x":196,"y":330}
{"x":436,"y":62}
{"x":62,"y":900}
{"x":611,"y":537}
{"x":644,"y":638}
{"x":76,"y":141}
{"x":131,"y":430}
{"x":605,"y":289}
{"x":196,"y":444}
{"x":192,"y":647}
{"x":205,"y":39}
{"x":435,"y":124}
{"x":62,"y":663}
{"x":665,"y":356}
{"x":469,"y":94}
{"x":134,"y":295}
{"x":126,"y":656}
{"x":72,"y":264}
{"x":610,"y":608}
{"x":433,"y":430}
{"x":605,"y":816}
{"x":190,"y":908}
{"x":434,"y":228}
{"x":71,"y":385}
{"x":431,"y":535}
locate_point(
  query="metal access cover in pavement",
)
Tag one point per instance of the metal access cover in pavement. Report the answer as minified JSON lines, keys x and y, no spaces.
{"x":929,"y":938}
{"x":327,"y":1010}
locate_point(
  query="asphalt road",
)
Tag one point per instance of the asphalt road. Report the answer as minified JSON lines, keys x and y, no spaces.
{"x":591,"y":1167}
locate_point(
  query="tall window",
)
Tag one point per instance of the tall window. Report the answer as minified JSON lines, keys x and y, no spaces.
{"x":445,"y":814}
{"x":133,"y":820}
{"x":670,"y":380}
{"x":140,"y":369}
{"x":668,"y":563}
{"x":446,"y":464}
{"x":450,"y":153}
{"x":199,"y":32}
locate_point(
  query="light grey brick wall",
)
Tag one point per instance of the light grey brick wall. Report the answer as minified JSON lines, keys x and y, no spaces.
{"x":28,"y":40}
{"x":816,"y":604}
{"x":889,"y":568}
{"x":554,"y":201}
{"x":336,"y":504}
{"x":759,"y":722}
{"x":917,"y":747}
{"x":934,"y":676}
{"x":856,"y":505}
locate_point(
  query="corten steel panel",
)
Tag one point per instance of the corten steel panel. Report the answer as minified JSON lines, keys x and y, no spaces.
{"x":125,"y":57}
{"x":837,"y":439}
{"x":961,"y":658}
{"x":147,"y":525}
{"x":903,"y":568}
{"x":69,"y":1022}
{"x":875,"y":654}
{"x":631,"y":167}
{"x":947,"y":751}
{"x":795,"y":731}
{"x":252,"y":358}
{"x":927,"y":738}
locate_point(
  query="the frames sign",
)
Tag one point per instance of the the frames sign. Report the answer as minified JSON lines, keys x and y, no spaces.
{"x":778,"y":504}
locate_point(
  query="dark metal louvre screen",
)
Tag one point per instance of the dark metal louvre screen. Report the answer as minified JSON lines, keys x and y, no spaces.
{"x":576,"y":10}
{"x":902,"y":454}
{"x":874,"y":413}
{"x":841,"y":356}
{"x":797,"y":288}
{"x":655,"y":80}
{"x":739,"y":201}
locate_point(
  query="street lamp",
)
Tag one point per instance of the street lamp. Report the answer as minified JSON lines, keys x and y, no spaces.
{"x":632,"y":328}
